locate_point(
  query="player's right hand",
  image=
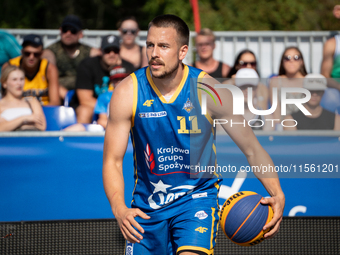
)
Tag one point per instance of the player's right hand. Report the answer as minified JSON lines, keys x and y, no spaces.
{"x":128,"y":225}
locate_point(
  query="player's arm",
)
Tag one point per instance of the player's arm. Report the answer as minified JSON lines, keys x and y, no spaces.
{"x":115,"y":144}
{"x":327,"y":63}
{"x":53,"y":84}
{"x":245,"y":139}
{"x":49,"y":55}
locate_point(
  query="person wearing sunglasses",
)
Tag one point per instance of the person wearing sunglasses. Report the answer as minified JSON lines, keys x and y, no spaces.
{"x":93,"y":77}
{"x":246,"y":59}
{"x":68,"y":52}
{"x":129,"y":49}
{"x":320,"y":118}
{"x":291,"y":71}
{"x":41,"y":77}
{"x":205,"y":45}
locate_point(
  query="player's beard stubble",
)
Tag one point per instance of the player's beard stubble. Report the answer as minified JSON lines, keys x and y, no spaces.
{"x":165,"y":73}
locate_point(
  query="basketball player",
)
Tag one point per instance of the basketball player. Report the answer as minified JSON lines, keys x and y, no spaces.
{"x":171,"y":212}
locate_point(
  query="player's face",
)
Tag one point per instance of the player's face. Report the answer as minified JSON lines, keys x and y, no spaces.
{"x":292,"y":61}
{"x":163,"y":51}
{"x":31,"y":56}
{"x":128,"y":31}
{"x":15,"y":83}
{"x":204,"y":46}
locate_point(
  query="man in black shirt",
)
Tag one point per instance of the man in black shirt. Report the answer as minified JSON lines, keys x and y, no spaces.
{"x":93,"y":77}
{"x":320,"y":118}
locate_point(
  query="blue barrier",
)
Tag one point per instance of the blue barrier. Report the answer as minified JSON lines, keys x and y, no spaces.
{"x":60,"y":177}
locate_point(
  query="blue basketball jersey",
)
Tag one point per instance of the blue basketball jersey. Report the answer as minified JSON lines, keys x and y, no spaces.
{"x":170,"y":139}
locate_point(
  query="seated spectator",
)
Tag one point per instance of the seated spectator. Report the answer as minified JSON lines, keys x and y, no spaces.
{"x":248,"y":78}
{"x":68,"y":52}
{"x":93,"y":77}
{"x":41,"y":77}
{"x":16,"y":112}
{"x":9,"y":47}
{"x":247,"y":59}
{"x":129,"y":49}
{"x":102,"y":106}
{"x":292,"y":69}
{"x":205,"y":45}
{"x":321,"y":119}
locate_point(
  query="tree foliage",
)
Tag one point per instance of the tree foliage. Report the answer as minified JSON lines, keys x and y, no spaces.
{"x":219,"y":15}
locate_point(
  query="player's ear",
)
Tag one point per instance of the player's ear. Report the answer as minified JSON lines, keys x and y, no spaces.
{"x":183,"y":50}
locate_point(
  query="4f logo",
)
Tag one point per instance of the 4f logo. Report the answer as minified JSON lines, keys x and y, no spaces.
{"x":201,"y":229}
{"x":148,"y":103}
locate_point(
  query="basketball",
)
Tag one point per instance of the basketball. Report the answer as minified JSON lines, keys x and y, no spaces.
{"x":243,"y":216}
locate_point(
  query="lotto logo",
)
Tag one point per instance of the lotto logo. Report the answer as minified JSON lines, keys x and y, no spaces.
{"x":201,"y":229}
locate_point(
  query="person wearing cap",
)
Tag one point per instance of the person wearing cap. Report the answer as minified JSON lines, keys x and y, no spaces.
{"x":320,"y":118}
{"x":205,"y":45}
{"x":129,"y":49}
{"x":68,"y":52}
{"x":41,"y":76}
{"x":93,"y":77}
{"x":246,"y":78}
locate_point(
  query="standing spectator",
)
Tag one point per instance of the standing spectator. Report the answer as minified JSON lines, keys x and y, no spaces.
{"x":9,"y":47}
{"x":68,"y":52}
{"x":246,"y":59}
{"x":41,"y":77}
{"x":93,"y":77}
{"x":16,"y":112}
{"x":321,"y":119}
{"x":129,"y":49}
{"x":205,"y":45}
{"x":292,"y":69}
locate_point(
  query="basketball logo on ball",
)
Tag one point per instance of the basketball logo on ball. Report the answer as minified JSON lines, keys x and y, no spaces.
{"x":243,"y":216}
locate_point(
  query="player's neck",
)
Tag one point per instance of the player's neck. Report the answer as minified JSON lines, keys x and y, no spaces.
{"x":168,"y":85}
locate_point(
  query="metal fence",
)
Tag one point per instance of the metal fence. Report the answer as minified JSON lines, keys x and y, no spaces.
{"x":267,"y":45}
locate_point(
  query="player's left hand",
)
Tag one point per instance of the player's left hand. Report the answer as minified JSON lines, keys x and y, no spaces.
{"x":278,"y":204}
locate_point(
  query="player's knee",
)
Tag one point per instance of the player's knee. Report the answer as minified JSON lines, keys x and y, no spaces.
{"x":84,"y":114}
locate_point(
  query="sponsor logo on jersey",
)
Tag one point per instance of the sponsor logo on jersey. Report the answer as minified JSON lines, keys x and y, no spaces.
{"x":188,"y":106}
{"x":201,"y":229}
{"x":164,"y":194}
{"x":148,"y":103}
{"x":201,"y":215}
{"x":152,"y":114}
{"x":129,"y":248}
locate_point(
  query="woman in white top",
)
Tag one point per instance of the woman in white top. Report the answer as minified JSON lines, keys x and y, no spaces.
{"x":18,"y":113}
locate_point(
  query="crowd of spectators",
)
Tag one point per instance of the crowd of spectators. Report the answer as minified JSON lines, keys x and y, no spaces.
{"x":72,"y":73}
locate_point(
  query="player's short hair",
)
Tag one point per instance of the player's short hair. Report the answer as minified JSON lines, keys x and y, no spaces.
{"x":207,"y":32}
{"x":169,"y":20}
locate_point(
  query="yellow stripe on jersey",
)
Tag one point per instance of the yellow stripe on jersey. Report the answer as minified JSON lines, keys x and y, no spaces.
{"x":178,"y":90}
{"x":135,"y":98}
{"x":212,"y":228}
{"x":200,"y":77}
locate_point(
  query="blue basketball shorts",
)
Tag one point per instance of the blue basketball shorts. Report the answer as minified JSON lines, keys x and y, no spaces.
{"x":193,"y":228}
